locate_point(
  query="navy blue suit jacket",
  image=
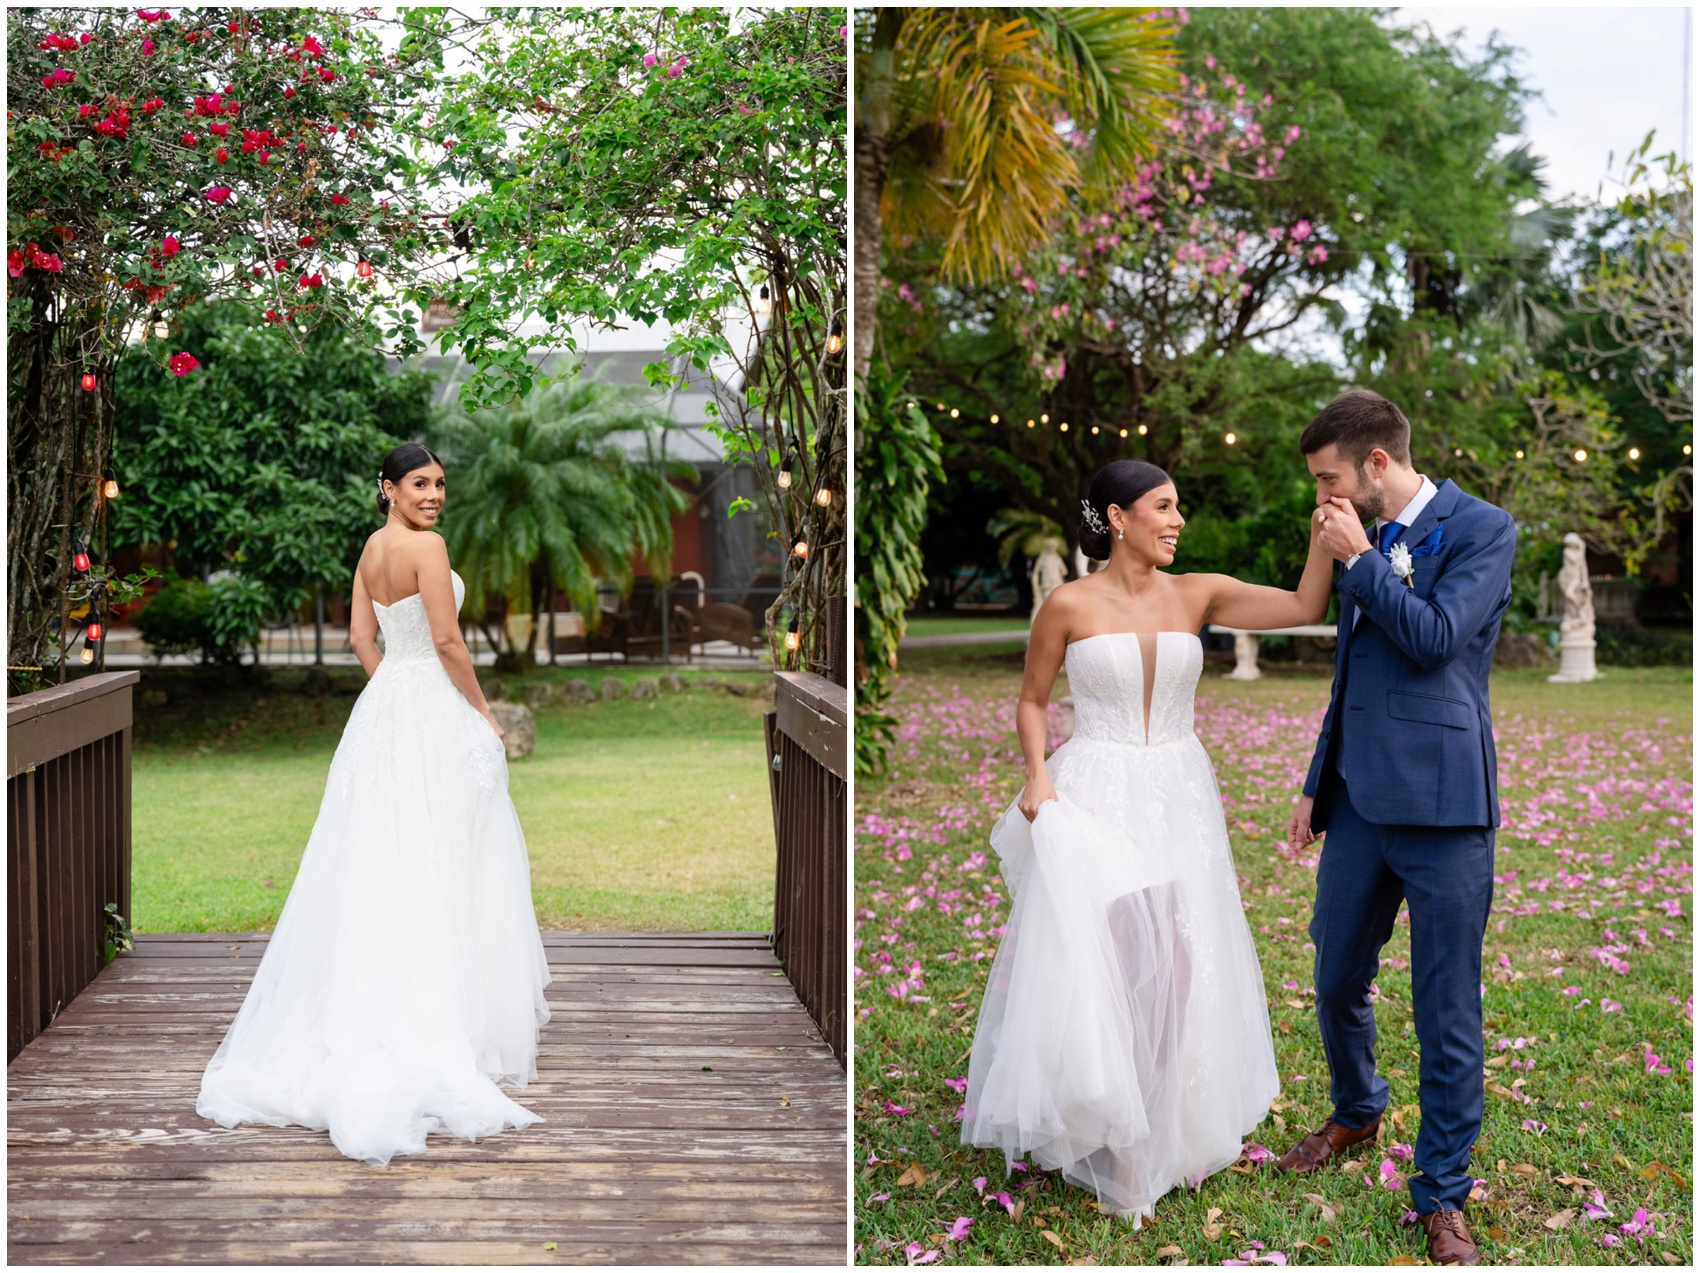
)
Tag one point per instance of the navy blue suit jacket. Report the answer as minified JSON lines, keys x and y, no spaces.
{"x":1408,"y":723}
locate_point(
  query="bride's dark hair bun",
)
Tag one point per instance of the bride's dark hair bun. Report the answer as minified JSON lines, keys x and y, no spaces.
{"x":1120,"y":482}
{"x":398,"y":464}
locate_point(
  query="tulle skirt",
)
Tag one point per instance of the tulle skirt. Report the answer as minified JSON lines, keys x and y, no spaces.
{"x":405,"y":979}
{"x":1124,"y":1035}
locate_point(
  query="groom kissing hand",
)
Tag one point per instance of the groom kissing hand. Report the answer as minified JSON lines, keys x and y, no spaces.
{"x":1404,"y":782}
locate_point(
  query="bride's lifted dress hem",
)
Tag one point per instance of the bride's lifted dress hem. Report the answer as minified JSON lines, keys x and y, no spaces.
{"x":1124,"y":1035}
{"x":405,"y":978}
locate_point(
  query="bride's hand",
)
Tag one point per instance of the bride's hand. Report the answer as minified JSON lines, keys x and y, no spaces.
{"x":1035,"y":794}
{"x":501,"y":734}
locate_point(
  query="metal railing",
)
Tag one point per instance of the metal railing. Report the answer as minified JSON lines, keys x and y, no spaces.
{"x":732,"y":619}
{"x":808,"y":739}
{"x":67,"y":842}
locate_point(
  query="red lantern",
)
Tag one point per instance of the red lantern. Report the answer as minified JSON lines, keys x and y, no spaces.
{"x":81,"y":558}
{"x":88,"y":380}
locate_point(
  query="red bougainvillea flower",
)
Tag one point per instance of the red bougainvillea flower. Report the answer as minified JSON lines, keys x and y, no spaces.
{"x":147,"y":48}
{"x":280,"y":265}
{"x":312,"y":280}
{"x":221,"y":155}
{"x":182,"y":363}
{"x":338,"y":200}
{"x":326,"y":74}
{"x":152,"y":104}
{"x":15,"y":263}
{"x":289,"y":92}
{"x":170,"y":247}
{"x":218,"y":194}
{"x":312,"y":48}
{"x":265,"y":155}
{"x":188,"y":139}
{"x":219,"y":130}
{"x":86,"y":109}
{"x":56,"y":78}
{"x":48,"y":261}
{"x":306,"y":240}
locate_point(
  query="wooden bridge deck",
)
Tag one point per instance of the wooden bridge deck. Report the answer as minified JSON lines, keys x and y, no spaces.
{"x":693,"y":1115}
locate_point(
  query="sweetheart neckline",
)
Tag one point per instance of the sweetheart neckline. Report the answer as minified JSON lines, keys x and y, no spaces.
{"x":1160,"y":632}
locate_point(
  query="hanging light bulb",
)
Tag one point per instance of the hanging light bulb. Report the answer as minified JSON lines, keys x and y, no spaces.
{"x":835,"y":341}
{"x":161,"y":328}
{"x":80,"y":556}
{"x":94,"y":628}
{"x":87,"y":655}
{"x":530,"y":261}
{"x":994,"y":417}
{"x":1230,"y":439}
{"x":793,"y":638}
{"x":1519,"y":453}
{"x":1063,"y":426}
{"x":1030,"y":424}
{"x":1688,"y":448}
{"x":785,"y":467}
{"x":954,"y":413}
{"x":823,"y":497}
{"x":1142,"y":430}
{"x":1094,"y":430}
{"x":88,"y":380}
{"x":1044,"y":417}
{"x":109,"y":484}
{"x":364,"y":269}
{"x":764,"y":303}
{"x":1634,"y":452}
{"x":800,"y":549}
{"x":1581,"y":455}
{"x":1124,"y":433}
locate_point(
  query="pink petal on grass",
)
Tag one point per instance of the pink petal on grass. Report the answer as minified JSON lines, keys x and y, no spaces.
{"x":958,"y":1230}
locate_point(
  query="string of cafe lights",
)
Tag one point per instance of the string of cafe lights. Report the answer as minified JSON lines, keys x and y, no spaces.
{"x":1230,"y":438}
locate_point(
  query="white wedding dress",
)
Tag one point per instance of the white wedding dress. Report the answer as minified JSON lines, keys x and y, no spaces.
{"x":405,"y":979}
{"x":1124,"y":1036}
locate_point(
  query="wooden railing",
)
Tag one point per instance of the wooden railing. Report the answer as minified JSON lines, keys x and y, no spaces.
{"x":808,"y":737}
{"x":67,"y":842}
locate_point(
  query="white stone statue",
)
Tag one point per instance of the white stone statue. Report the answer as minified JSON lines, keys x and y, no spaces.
{"x":1576,"y":626}
{"x":1049,"y":571}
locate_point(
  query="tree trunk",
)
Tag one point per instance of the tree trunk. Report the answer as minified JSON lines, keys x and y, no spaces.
{"x":873,"y":127}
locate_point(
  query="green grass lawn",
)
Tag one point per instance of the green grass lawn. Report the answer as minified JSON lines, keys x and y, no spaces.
{"x":637,"y":815}
{"x":958,"y":624}
{"x":1588,"y":1007}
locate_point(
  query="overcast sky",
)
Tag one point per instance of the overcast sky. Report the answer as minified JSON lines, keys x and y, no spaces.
{"x":1606,"y":76}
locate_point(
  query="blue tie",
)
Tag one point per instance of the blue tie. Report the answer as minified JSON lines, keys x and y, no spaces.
{"x":1389,"y":533}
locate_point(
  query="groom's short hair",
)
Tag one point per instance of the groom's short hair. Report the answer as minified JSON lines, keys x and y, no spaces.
{"x":1357,"y":422}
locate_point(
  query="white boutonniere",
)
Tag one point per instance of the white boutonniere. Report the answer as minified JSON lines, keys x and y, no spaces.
{"x":1400,"y":557}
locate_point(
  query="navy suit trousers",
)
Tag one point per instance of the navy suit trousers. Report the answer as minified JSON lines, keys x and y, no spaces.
{"x":1446,"y":875}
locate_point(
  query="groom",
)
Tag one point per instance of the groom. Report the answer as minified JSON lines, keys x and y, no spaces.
{"x":1403,"y":781}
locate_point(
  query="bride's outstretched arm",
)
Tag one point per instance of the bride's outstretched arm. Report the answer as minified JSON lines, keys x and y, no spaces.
{"x":1046,"y":644}
{"x":1234,"y":603}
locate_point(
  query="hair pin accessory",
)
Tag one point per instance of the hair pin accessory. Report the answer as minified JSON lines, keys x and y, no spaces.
{"x":1092,"y":518}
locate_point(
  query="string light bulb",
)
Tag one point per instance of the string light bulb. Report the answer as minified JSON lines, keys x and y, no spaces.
{"x":764,"y":303}
{"x":80,"y":556}
{"x":1634,"y":452}
{"x":800,"y":549}
{"x":994,"y":417}
{"x":823,"y":497}
{"x":109,"y":484}
{"x":87,"y":655}
{"x":364,"y":269}
{"x":94,"y":628}
{"x":835,"y":340}
{"x":1030,"y":424}
{"x":785,"y":467}
{"x":88,"y":380}
{"x":161,"y":328}
{"x":1124,"y":433}
{"x":1581,"y":455}
{"x":1044,"y":417}
{"x":1687,"y":448}
{"x":1519,"y":453}
{"x":793,"y":638}
{"x":954,"y":412}
{"x":1063,"y":426}
{"x":1230,"y":439}
{"x":1142,"y":430}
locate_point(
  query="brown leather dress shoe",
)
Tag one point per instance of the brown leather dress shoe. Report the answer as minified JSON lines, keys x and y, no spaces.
{"x":1328,"y":1141}
{"x":1449,"y":1242}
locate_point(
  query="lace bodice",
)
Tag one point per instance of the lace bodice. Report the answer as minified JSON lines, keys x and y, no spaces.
{"x":406,"y":629}
{"x":1106,"y":676}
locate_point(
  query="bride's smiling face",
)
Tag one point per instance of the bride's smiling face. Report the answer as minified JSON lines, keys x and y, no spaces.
{"x":1150,"y":526}
{"x":418,"y":498}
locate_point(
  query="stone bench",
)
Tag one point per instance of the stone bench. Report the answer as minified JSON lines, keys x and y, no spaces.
{"x":1246,"y":644}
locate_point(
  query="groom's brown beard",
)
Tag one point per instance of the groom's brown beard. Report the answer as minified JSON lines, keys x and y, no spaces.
{"x":1371,"y":499}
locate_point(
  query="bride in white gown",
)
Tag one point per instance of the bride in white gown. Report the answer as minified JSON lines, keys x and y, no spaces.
{"x":1124,"y":1035}
{"x":405,"y":978}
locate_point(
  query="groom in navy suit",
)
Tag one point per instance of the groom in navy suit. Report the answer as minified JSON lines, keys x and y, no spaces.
{"x":1404,"y":783}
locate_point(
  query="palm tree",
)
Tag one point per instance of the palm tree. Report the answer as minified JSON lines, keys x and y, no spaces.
{"x":969,"y":122}
{"x":548,"y":493}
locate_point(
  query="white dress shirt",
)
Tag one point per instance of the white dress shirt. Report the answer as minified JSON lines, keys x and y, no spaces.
{"x":1406,"y":517}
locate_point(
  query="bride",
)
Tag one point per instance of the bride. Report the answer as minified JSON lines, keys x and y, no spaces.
{"x":405,"y":979}
{"x":1124,"y":1035}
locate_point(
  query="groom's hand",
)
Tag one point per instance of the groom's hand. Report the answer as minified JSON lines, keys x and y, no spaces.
{"x":1298,"y":826}
{"x":1341,"y":533}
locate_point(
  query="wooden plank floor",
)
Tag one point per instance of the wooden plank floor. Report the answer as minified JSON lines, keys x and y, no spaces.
{"x":692,"y":1116}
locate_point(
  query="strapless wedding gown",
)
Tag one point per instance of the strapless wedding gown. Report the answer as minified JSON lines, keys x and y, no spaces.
{"x":405,"y":979}
{"x":1124,"y":1036}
